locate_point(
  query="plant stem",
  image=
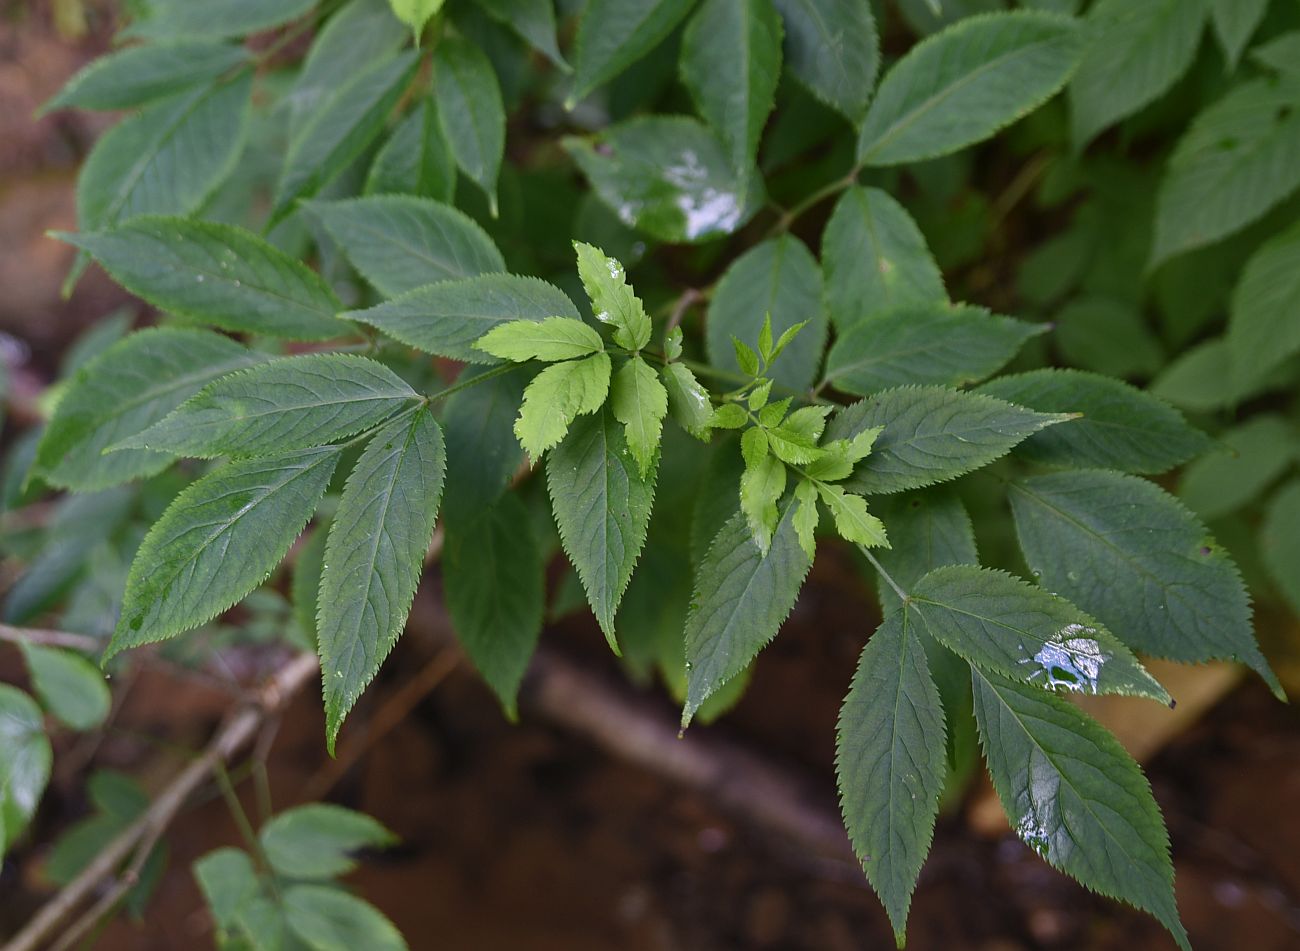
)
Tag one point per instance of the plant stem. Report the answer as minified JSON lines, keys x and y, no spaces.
{"x":501,"y":370}
{"x":788,"y":218}
{"x":903,"y":595}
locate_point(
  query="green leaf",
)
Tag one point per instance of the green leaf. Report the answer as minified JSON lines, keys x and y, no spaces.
{"x":25,"y":757}
{"x":556,"y":397}
{"x":1076,"y":797}
{"x":1279,"y":542}
{"x":1262,"y":329}
{"x":216,"y":274}
{"x":876,"y":260}
{"x":928,"y":530}
{"x":70,"y":687}
{"x":779,"y":277}
{"x":339,"y":128}
{"x":533,"y":21}
{"x":448,"y":317}
{"x":1234,"y":22}
{"x":1001,"y":624}
{"x":123,"y":391}
{"x":304,"y":590}
{"x":317,"y":841}
{"x":688,"y":401}
{"x":216,"y":18}
{"x":613,"y":34}
{"x":832,"y":48}
{"x":1232,"y":165}
{"x":416,"y":159}
{"x":140,"y":74}
{"x":1108,"y":336}
{"x":493,"y":580}
{"x":1122,"y":427}
{"x":415,"y":13}
{"x":400,"y":243}
{"x":228,"y":882}
{"x":482,"y":452}
{"x":742,"y":596}
{"x":967,"y":82}
{"x":1280,"y":54}
{"x":375,"y":556}
{"x":167,"y":159}
{"x":1130,"y":554}
{"x":668,"y":176}
{"x":549,"y":339}
{"x":602,"y":506}
{"x":613,"y":301}
{"x":639,"y":401}
{"x":890,"y":762}
{"x":852,"y":520}
{"x":932,"y":434}
{"x":729,"y":416}
{"x":806,"y":517}
{"x":329,"y":919}
{"x":1259,"y":451}
{"x":1138,"y":51}
{"x":761,"y":487}
{"x":217,"y":541}
{"x":471,"y":111}
{"x":935,"y":344}
{"x":731,"y":62}
{"x":291,"y":403}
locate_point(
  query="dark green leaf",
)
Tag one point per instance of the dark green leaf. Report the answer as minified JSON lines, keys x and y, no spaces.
{"x":217,"y":18}
{"x":482,"y":452}
{"x":613,"y":34}
{"x":533,"y":21}
{"x":217,"y":541}
{"x":70,"y":687}
{"x":25,"y":757}
{"x":375,"y":556}
{"x":832,"y":48}
{"x":416,"y":159}
{"x":471,"y":111}
{"x":1279,"y":542}
{"x":400,"y":243}
{"x":1108,"y":336}
{"x":1234,"y":22}
{"x":1262,"y":328}
{"x":1258,"y":451}
{"x":1130,"y":554}
{"x":317,"y":841}
{"x":141,"y":74}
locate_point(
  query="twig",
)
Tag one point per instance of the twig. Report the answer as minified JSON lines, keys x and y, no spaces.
{"x":47,"y":638}
{"x":229,"y":740}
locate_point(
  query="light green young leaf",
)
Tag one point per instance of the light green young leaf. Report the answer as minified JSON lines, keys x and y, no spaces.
{"x":613,"y":34}
{"x":1136,"y":559}
{"x":754,"y":447}
{"x":831,"y":47}
{"x":852,"y":520}
{"x":217,"y":541}
{"x":292,"y":403}
{"x":928,"y":529}
{"x":1076,"y":797}
{"x":216,"y":274}
{"x":549,"y":339}
{"x":890,"y":762}
{"x":339,"y":129}
{"x":448,"y":317}
{"x":1234,"y":22}
{"x":330,"y":919}
{"x":471,"y":111}
{"x":317,"y":841}
{"x":1122,"y":427}
{"x":792,"y":446}
{"x":557,"y":396}
{"x":761,"y":487}
{"x":70,"y":687}
{"x":668,"y":176}
{"x":1232,"y":165}
{"x":805,"y":517}
{"x":1258,"y":451}
{"x":602,"y":508}
{"x":533,"y":21}
{"x":140,"y":74}
{"x":25,"y":758}
{"x":746,"y":358}
{"x":688,"y":401}
{"x":936,"y":344}
{"x":1137,"y":51}
{"x":728,"y":416}
{"x":876,"y":260}
{"x":612,"y":299}
{"x":963,"y":84}
{"x":1001,"y":624}
{"x":124,"y":391}
{"x":375,"y":556}
{"x":415,"y":14}
{"x":400,"y":243}
{"x":416,"y":159}
{"x":839,"y":456}
{"x":167,"y":159}
{"x":216,"y":18}
{"x":779,"y":277}
{"x":731,"y":62}
{"x":742,"y":596}
{"x":1279,"y":542}
{"x":639,"y":401}
{"x":932,"y":434}
{"x":1262,"y":326}
{"x":493,"y":576}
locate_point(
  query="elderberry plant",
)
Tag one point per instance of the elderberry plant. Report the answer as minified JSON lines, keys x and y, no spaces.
{"x":325,"y":242}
